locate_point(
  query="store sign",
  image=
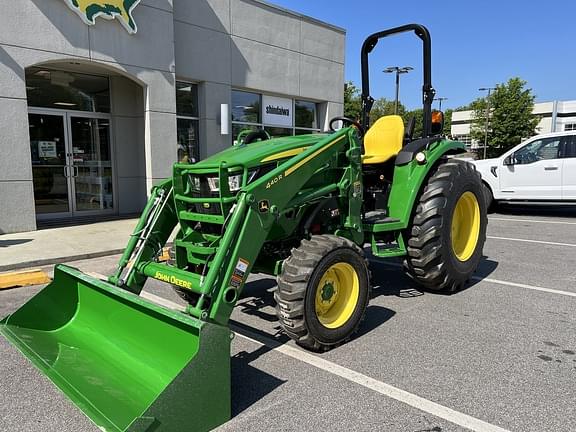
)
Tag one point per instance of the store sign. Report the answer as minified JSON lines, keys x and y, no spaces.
{"x":277,"y":111}
{"x":89,"y":10}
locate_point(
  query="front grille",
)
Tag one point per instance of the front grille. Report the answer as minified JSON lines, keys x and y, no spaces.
{"x":205,"y":208}
{"x":209,"y":208}
{"x":198,"y":187}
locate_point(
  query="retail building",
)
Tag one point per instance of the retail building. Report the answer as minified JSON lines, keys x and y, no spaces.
{"x":94,"y":111}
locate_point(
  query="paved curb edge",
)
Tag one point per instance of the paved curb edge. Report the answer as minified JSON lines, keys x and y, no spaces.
{"x":58,"y":260}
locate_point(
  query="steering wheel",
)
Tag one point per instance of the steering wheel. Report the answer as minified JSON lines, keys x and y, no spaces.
{"x":529,"y":157}
{"x":348,"y":121}
{"x":260,"y":134}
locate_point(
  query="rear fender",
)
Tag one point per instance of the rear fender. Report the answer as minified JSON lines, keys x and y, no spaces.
{"x":409,"y":175}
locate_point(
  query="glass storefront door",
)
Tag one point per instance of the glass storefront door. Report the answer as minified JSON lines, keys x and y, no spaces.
{"x":50,"y":168}
{"x":71,"y":164}
{"x":91,"y":163}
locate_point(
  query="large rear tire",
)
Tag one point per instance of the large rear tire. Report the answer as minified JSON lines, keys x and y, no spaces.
{"x":448,"y":228}
{"x":323,"y":292}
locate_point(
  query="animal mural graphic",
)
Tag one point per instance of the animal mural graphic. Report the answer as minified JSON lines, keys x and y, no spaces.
{"x":89,"y":10}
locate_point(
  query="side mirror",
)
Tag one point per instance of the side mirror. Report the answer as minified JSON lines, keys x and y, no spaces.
{"x":437,"y":123}
{"x":509,"y":160}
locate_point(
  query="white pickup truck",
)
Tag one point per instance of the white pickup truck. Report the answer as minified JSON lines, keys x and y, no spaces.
{"x":540,"y":170}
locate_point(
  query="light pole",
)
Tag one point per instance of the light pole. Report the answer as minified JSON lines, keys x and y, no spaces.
{"x":440,"y":99}
{"x":489,"y":89}
{"x":398,"y":70}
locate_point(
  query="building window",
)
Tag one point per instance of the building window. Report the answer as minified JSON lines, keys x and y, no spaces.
{"x":570,"y":127}
{"x":187,"y":121}
{"x":277,"y":116}
{"x":278,"y":131}
{"x":245,"y":107}
{"x":47,"y":88}
{"x":305,"y":117}
{"x":464,"y":139}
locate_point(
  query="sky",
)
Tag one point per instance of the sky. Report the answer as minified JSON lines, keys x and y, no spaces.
{"x":474,"y":44}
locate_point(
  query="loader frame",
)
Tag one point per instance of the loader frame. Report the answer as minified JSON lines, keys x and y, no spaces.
{"x":246,"y":221}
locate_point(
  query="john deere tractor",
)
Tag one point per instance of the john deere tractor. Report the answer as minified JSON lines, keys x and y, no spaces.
{"x":301,"y":208}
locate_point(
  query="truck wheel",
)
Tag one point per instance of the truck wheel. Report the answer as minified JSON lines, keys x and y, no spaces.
{"x":323,"y":291}
{"x":448,"y":229}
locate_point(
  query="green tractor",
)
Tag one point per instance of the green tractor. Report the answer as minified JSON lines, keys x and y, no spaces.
{"x":300,"y":208}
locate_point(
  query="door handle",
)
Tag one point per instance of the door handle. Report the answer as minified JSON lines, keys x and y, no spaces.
{"x":65,"y":167}
{"x":550,"y":168}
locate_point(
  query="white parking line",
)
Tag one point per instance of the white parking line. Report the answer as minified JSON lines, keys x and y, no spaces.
{"x":531,"y":241}
{"x":384,"y":389}
{"x":531,"y":221}
{"x":519,"y":285}
{"x":448,"y":414}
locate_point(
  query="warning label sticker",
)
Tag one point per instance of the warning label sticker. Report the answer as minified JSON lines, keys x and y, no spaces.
{"x":239,"y":272}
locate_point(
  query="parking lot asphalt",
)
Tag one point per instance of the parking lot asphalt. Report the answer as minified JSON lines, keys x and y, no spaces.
{"x":499,"y":355}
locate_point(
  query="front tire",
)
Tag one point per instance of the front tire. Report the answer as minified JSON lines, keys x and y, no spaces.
{"x":323,"y":292}
{"x":448,"y":229}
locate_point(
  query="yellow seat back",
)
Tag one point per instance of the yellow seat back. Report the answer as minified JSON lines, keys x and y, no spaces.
{"x":383,"y":140}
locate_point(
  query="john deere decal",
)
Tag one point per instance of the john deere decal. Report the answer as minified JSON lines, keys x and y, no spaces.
{"x":89,"y":10}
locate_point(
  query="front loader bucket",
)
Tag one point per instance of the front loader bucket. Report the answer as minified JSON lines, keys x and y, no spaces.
{"x":127,"y":363}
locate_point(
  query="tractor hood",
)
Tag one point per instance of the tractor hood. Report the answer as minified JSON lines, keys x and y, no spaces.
{"x":261,"y":152}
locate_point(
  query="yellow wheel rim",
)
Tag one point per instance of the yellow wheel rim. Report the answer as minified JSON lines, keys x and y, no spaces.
{"x":465,"y":226}
{"x":337,"y":295}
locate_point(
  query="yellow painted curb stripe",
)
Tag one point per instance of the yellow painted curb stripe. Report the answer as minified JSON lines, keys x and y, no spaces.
{"x":23,"y":278}
{"x":284,"y":154}
{"x":312,"y":156}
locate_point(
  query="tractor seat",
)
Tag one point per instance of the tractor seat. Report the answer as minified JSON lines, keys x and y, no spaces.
{"x":383,"y":140}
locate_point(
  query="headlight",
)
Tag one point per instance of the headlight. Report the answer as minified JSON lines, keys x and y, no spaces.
{"x":214,"y":184}
{"x":194,"y":183}
{"x":234,"y":183}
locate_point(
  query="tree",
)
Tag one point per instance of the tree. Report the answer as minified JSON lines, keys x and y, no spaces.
{"x":467,"y":107}
{"x":352,"y":101}
{"x":447,"y":122}
{"x":383,"y":107}
{"x":418,"y":115}
{"x":510,"y":118}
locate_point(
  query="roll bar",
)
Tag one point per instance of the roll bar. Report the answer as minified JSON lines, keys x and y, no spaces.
{"x":428,"y":91}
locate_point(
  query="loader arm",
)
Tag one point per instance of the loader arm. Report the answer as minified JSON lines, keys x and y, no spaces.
{"x":155,"y":225}
{"x":244,"y":229}
{"x":263,"y":201}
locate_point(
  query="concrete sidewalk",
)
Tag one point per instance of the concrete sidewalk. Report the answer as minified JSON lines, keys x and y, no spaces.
{"x":54,"y":245}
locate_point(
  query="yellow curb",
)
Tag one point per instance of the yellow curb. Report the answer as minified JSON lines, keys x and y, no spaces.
{"x":23,"y":278}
